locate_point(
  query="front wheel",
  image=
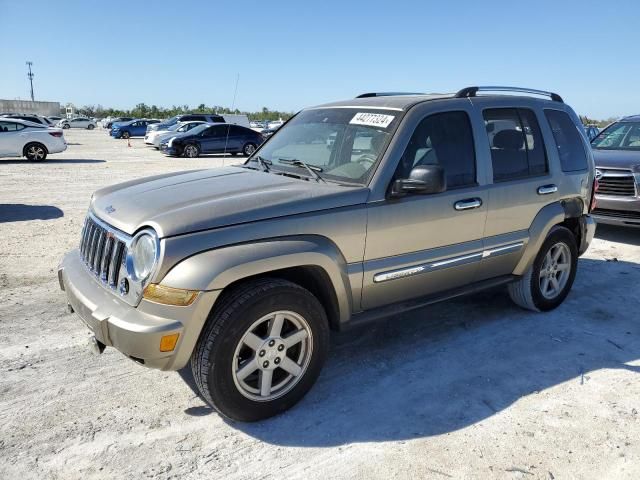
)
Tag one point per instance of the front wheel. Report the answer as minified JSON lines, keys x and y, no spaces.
{"x":548,"y":281}
{"x":125,"y":135}
{"x":262,"y":349}
{"x":191,"y":151}
{"x":90,"y":127}
{"x":66,"y":126}
{"x":248,"y":149}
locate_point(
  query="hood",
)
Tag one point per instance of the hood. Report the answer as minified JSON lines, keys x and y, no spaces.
{"x":627,"y":159}
{"x":184,"y":202}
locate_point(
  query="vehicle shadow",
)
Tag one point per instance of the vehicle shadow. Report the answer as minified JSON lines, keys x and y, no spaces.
{"x":457,"y":363}
{"x":18,"y":212}
{"x":14,"y":161}
{"x":613,"y":233}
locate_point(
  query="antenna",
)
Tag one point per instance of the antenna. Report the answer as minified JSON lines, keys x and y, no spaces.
{"x":30,"y":75}
{"x":233,"y":105}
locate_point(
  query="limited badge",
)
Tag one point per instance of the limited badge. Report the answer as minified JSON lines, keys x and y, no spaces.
{"x":372,"y":119}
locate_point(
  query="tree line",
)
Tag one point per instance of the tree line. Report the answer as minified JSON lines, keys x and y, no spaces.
{"x":142,"y":110}
{"x":598,"y":123}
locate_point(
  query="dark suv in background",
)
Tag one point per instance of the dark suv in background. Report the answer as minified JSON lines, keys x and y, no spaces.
{"x":616,"y":151}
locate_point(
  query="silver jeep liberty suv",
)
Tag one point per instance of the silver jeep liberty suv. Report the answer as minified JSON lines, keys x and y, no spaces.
{"x":352,"y":211}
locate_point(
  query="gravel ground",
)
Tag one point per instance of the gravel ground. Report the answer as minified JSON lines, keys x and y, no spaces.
{"x":471,"y":388}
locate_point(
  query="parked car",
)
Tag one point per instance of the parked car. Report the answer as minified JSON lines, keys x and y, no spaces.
{"x":242,"y":271}
{"x":33,"y":118}
{"x":617,"y":156}
{"x":78,"y":122}
{"x":187,"y":117}
{"x":134,"y":128}
{"x":156,"y":137}
{"x":109,"y":123}
{"x":275,"y":124}
{"x":591,"y":131}
{"x":21,"y":138}
{"x":53,"y":120}
{"x":217,"y":138}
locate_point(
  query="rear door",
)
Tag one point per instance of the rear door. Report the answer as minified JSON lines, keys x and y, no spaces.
{"x":521,"y":180}
{"x":10,"y":139}
{"x":424,"y":244}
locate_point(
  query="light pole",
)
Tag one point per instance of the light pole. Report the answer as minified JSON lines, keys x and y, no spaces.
{"x":30,"y":75}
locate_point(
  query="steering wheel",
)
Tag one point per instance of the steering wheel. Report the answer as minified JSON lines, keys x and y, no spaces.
{"x":367,"y":160}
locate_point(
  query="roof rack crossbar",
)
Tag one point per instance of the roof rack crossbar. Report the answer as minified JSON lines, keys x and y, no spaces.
{"x":386,"y":94}
{"x":472,"y":91}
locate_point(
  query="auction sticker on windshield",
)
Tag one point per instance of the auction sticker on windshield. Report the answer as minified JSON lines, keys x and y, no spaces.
{"x":372,"y":119}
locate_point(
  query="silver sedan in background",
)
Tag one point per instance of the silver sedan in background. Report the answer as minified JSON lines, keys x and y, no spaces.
{"x":156,"y":137}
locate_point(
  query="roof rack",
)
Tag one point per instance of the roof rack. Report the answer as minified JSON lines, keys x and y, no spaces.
{"x":387,"y":94}
{"x":472,"y":91}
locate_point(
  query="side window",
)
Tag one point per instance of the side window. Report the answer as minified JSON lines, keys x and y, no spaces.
{"x":217,"y":119}
{"x":444,"y":139}
{"x":573,"y":158}
{"x":10,"y":127}
{"x":517,"y":149}
{"x":237,"y":131}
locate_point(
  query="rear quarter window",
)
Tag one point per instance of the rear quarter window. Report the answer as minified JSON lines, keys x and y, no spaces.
{"x":573,"y":157}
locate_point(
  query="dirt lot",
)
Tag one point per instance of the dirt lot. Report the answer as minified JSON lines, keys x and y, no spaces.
{"x":472,"y":388}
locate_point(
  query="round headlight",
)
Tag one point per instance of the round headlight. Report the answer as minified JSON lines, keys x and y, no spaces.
{"x":144,"y":255}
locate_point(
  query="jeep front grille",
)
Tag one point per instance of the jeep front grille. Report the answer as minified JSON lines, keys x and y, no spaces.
{"x":617,"y":182}
{"x":103,"y":251}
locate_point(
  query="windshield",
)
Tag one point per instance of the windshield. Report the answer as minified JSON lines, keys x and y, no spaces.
{"x":343,"y":144}
{"x":619,"y":136}
{"x":199,"y":128}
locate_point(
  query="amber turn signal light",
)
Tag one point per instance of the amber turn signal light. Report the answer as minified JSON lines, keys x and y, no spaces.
{"x":168,"y":342}
{"x":169,"y":295}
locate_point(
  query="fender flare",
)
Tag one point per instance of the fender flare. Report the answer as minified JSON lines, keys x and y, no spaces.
{"x":218,"y":268}
{"x":547,"y":218}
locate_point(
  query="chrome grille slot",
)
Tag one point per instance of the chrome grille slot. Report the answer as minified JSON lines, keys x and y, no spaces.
{"x":103,"y":250}
{"x":617,"y":182}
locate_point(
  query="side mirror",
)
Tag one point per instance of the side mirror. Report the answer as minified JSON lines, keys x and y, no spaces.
{"x":423,"y":179}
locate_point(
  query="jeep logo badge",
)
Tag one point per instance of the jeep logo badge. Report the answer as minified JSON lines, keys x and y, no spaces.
{"x":110,"y":209}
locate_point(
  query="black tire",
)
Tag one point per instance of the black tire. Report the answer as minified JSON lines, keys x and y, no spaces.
{"x":527,"y":291}
{"x":66,"y":126}
{"x":248,"y":149}
{"x":35,"y":152}
{"x":191,"y":150}
{"x":125,"y":135}
{"x":90,"y":127}
{"x":212,"y":358}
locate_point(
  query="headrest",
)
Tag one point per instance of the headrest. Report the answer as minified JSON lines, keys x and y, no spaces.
{"x":508,"y":140}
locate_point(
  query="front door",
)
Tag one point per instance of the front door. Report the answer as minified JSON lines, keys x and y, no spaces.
{"x":423,"y":244}
{"x":213,"y":139}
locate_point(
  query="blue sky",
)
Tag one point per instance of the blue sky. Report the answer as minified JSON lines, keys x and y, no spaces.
{"x":292,"y":54}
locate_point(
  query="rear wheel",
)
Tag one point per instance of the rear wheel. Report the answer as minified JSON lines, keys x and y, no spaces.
{"x":248,"y":149}
{"x":548,"y":281}
{"x":35,"y":152}
{"x":262,"y":349}
{"x":191,"y":151}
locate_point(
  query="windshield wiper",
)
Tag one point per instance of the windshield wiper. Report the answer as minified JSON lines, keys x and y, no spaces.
{"x":312,"y":169}
{"x":264,"y":164}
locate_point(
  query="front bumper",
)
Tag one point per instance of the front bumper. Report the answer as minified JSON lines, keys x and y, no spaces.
{"x":134,"y":331}
{"x":622,"y":211}
{"x":172,"y":151}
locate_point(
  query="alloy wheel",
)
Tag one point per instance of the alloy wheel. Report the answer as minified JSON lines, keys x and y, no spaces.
{"x":555,"y":270}
{"x":272,"y":356}
{"x":35,"y":152}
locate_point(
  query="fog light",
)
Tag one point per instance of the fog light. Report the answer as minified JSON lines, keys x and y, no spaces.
{"x":168,"y":342}
{"x":169,"y":295}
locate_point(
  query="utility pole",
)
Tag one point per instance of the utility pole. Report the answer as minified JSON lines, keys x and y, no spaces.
{"x":30,"y":75}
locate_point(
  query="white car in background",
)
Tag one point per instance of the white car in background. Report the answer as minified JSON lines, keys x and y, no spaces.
{"x":78,"y":122}
{"x":20,"y":138}
{"x":156,"y":137}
